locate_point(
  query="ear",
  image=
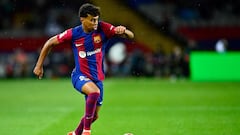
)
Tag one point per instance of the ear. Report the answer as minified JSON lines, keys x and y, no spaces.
{"x":81,"y":19}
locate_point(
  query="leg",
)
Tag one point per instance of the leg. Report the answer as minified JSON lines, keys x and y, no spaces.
{"x":79,"y":129}
{"x":92,"y":92}
{"x":87,"y":87}
{"x":96,"y":113}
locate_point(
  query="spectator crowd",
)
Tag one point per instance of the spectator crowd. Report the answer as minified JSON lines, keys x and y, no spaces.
{"x":27,"y":18}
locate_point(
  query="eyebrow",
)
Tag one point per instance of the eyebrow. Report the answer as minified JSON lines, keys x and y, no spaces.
{"x":96,"y":17}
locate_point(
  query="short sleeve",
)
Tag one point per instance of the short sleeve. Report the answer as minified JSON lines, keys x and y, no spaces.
{"x":65,"y":36}
{"x":108,"y":29}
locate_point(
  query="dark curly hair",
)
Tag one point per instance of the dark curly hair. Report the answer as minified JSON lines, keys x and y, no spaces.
{"x":90,"y":9}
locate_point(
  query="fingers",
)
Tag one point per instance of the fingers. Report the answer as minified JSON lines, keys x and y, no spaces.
{"x":120,"y":29}
{"x":40,"y":76}
{"x":38,"y":72}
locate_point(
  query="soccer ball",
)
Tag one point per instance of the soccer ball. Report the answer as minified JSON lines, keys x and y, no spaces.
{"x":117,"y":53}
{"x":128,"y":134}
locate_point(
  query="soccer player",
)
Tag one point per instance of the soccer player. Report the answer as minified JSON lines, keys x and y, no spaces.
{"x":88,"y":42}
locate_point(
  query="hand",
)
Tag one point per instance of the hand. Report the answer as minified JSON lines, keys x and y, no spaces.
{"x":38,"y":71}
{"x":120,"y":29}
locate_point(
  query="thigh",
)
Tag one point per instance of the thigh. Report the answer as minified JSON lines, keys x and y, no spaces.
{"x":90,"y":87}
{"x":79,"y":81}
{"x":99,"y":89}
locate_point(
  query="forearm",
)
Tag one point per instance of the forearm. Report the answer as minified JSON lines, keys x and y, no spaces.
{"x":124,"y":32}
{"x":129,"y":33}
{"x":44,"y":52}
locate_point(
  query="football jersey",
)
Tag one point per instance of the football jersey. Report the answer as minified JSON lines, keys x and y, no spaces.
{"x":88,"y":49}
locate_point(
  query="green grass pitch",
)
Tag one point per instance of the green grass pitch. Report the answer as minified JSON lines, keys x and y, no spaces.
{"x":140,"y":106}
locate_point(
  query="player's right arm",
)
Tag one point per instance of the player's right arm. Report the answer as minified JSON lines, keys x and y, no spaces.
{"x":38,"y":70}
{"x":65,"y":36}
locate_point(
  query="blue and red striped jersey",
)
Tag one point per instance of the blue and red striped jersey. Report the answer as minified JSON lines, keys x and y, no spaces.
{"x":88,"y":48}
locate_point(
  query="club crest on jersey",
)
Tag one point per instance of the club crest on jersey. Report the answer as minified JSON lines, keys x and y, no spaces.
{"x":97,"y":39}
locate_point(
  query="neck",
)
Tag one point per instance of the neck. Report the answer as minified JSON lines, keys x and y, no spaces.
{"x":86,"y":30}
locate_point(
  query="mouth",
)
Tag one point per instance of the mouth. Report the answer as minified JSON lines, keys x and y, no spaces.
{"x":95,"y":27}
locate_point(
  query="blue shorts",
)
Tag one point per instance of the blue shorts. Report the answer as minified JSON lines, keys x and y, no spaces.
{"x":79,"y":80}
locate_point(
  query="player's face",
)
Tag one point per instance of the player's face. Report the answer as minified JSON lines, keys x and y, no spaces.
{"x":90,"y":23}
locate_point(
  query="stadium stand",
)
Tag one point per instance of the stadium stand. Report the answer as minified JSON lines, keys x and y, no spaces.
{"x":166,"y":31}
{"x":203,"y":21}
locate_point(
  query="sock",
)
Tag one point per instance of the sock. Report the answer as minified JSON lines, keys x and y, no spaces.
{"x":91,"y":104}
{"x":79,"y":129}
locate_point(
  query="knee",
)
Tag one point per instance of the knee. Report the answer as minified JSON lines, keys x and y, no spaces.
{"x":92,"y":91}
{"x":96,"y":90}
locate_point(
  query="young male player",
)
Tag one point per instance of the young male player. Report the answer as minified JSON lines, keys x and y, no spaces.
{"x":88,"y":42}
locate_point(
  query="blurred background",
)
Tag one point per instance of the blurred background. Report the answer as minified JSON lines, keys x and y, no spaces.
{"x":166,"y":33}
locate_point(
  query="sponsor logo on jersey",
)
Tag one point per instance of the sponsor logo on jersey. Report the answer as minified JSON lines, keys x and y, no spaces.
{"x":83,"y":54}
